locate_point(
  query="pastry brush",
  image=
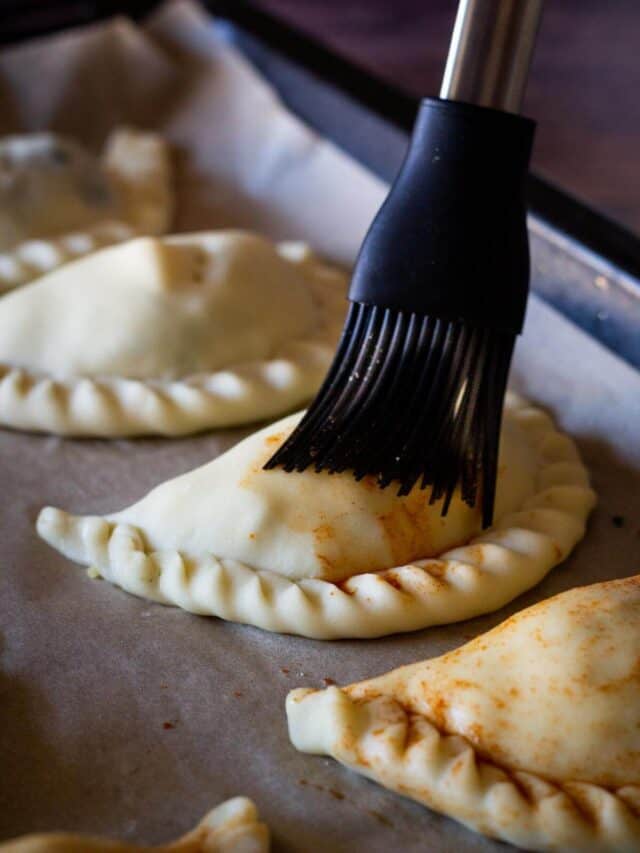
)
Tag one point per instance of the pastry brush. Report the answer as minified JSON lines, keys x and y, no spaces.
{"x":439,"y":289}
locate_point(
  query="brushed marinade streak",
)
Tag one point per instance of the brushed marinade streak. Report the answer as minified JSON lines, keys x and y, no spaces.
{"x":530,"y":733}
{"x":325,"y":556}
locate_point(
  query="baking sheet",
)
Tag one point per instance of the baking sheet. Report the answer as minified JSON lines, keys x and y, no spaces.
{"x":126,"y":718}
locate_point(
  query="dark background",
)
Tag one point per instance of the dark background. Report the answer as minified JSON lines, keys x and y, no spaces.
{"x":584,"y":89}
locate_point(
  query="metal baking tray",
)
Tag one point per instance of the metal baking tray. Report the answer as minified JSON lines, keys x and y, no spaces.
{"x":585,"y":265}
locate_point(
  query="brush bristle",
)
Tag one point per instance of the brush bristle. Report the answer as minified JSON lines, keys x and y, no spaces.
{"x":409,"y":399}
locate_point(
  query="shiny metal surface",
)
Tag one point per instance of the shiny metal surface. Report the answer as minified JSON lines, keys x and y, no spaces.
{"x":584,"y":285}
{"x":490,"y":53}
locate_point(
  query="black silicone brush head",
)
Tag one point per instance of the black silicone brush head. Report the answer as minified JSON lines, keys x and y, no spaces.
{"x":410,"y":399}
{"x":415,"y":392}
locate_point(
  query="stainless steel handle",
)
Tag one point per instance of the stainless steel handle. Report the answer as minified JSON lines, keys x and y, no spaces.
{"x":490,"y":52}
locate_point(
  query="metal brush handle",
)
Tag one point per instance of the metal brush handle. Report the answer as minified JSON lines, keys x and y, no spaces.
{"x":490,"y":52}
{"x":450,"y":240}
{"x":439,"y":290}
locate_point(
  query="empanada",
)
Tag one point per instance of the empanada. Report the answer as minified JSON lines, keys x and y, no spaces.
{"x":59,"y":202}
{"x":168,"y":336}
{"x":530,"y":733}
{"x":232,"y":827}
{"x":324,"y":556}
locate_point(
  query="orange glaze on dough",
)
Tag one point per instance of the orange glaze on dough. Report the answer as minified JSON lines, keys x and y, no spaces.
{"x":410,"y":530}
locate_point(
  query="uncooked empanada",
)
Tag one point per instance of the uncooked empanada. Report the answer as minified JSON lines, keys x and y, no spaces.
{"x":530,"y":733}
{"x":168,"y":335}
{"x":59,"y":202}
{"x":324,"y":556}
{"x":232,"y":827}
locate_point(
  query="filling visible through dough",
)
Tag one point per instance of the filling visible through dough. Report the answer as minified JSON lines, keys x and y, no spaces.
{"x":529,"y":733}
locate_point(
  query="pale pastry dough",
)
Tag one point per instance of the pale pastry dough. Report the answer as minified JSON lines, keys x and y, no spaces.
{"x":58,"y":202}
{"x":232,"y":827}
{"x":138,"y":166}
{"x":169,"y":335}
{"x":314,"y":554}
{"x":530,"y":733}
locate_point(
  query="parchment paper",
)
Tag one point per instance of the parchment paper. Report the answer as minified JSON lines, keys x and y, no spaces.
{"x":130,"y":719}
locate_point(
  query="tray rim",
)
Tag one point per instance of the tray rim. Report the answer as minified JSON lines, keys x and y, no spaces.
{"x":559,"y":209}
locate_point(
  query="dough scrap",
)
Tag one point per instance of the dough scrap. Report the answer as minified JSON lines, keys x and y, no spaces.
{"x":312,"y":554}
{"x":58,"y":202}
{"x":530,"y":733}
{"x":232,"y":827}
{"x":169,"y":336}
